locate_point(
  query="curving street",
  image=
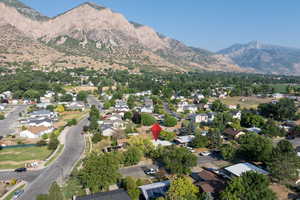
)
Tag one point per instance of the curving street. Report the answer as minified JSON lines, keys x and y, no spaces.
{"x":62,"y":167}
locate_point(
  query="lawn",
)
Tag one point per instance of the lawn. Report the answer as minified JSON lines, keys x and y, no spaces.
{"x":17,"y":157}
{"x":249,"y":102}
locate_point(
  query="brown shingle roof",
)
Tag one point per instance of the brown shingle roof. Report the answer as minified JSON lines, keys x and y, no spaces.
{"x":37,"y":129}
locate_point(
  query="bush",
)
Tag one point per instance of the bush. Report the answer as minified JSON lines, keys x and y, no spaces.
{"x":72,"y":122}
{"x":165,"y":135}
{"x":147,"y":120}
{"x":2,"y":117}
{"x":170,"y":121}
{"x":41,"y":143}
{"x":132,"y":156}
{"x":53,"y":143}
{"x":97,"y":137}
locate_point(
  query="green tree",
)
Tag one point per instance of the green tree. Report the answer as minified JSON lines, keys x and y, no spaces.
{"x":82,"y":96}
{"x":72,"y":122}
{"x":131,"y":102}
{"x":254,"y":147}
{"x":249,"y":186}
{"x":128,"y":115}
{"x":170,"y":121}
{"x":199,"y":141}
{"x":99,"y":171}
{"x":55,"y":192}
{"x":132,"y":156}
{"x":53,"y":142}
{"x":178,"y":160}
{"x":228,"y":151}
{"x":249,"y":119}
{"x":107,"y":105}
{"x":284,"y":162}
{"x":131,"y":186}
{"x":97,"y":137}
{"x":182,"y":188}
{"x":214,"y":137}
{"x":66,"y":98}
{"x":147,"y":119}
{"x":218,"y":106}
{"x":166,"y":135}
{"x":271,"y":129}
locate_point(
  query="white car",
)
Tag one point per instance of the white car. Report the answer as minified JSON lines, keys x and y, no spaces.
{"x":191,"y":149}
{"x":205,"y":153}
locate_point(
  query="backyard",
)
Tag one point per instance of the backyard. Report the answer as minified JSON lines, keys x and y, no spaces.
{"x":17,"y":157}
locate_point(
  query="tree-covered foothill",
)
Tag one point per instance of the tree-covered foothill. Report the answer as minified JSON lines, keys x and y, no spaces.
{"x":249,"y":186}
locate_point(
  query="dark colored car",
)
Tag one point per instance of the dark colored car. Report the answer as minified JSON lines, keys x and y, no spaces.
{"x":22,"y":169}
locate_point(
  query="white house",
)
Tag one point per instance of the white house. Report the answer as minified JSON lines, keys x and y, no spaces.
{"x":35,"y":132}
{"x":201,"y":118}
{"x":240,"y":168}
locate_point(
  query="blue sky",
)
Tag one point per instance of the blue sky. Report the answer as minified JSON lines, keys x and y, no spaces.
{"x":209,"y":24}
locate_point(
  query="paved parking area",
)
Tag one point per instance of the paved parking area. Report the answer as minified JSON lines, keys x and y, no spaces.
{"x":136,"y":171}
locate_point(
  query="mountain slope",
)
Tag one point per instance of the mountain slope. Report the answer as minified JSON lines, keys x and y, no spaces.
{"x":265,"y":58}
{"x":89,"y":30}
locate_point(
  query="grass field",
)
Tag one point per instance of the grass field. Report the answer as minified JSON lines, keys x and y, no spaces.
{"x":249,"y":102}
{"x":281,"y":88}
{"x":17,"y":157}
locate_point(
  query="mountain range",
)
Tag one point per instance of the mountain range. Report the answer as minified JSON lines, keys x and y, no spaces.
{"x":90,"y":35}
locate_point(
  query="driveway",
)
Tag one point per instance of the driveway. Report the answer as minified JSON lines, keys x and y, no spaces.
{"x":136,"y":171}
{"x":10,"y":123}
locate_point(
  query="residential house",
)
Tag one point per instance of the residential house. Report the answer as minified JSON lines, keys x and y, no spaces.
{"x":77,"y":105}
{"x":121,"y":106}
{"x":254,"y":130}
{"x":240,"y":168}
{"x":236,"y":114}
{"x":40,"y":122}
{"x":209,"y":182}
{"x":211,"y":116}
{"x":144,"y":93}
{"x":201,"y":118}
{"x":232,"y":134}
{"x":35,"y":132}
{"x":232,"y":107}
{"x":184,"y":140}
{"x":277,"y":96}
{"x":155,"y":190}
{"x":119,"y":194}
{"x":148,"y":106}
{"x":43,"y":113}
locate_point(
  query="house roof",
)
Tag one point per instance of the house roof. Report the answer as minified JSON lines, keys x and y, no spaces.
{"x":241,"y":168}
{"x":119,"y":194}
{"x":185,"y":139}
{"x":37,"y":129}
{"x":155,"y":190}
{"x":41,"y":112}
{"x":231,"y":132}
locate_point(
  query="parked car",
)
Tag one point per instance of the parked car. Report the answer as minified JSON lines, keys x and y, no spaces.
{"x":22,"y":169}
{"x":205,"y":153}
{"x":191,"y":149}
{"x":150,"y":171}
{"x":17,"y":194}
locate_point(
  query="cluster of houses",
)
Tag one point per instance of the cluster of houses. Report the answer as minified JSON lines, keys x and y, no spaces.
{"x":38,"y":123}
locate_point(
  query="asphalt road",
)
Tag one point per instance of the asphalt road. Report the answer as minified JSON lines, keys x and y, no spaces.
{"x":62,"y":167}
{"x":9,"y":124}
{"x":28,"y":176}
